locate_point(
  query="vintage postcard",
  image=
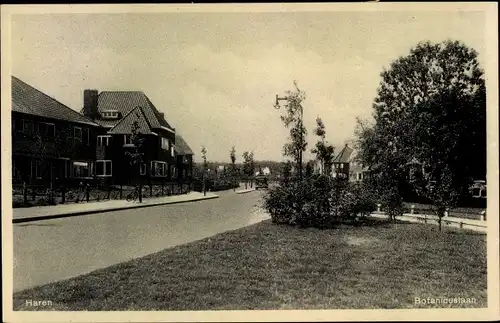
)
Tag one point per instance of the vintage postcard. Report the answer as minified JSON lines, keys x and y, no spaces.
{"x":250,"y":162}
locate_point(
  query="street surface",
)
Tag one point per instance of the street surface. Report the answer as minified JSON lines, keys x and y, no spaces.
{"x":52,"y":250}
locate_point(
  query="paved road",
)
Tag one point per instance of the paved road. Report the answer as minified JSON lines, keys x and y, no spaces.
{"x":52,"y":250}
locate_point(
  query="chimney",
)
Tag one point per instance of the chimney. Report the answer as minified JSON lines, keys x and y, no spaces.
{"x":90,"y":103}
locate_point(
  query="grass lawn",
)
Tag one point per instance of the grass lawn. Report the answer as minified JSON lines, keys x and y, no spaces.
{"x":267,"y":266}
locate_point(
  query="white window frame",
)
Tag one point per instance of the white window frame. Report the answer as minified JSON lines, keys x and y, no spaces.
{"x":172,"y":171}
{"x":30,"y":131}
{"x":81,"y":134}
{"x":172,"y":150}
{"x":164,"y":168}
{"x":104,"y":167}
{"x":125,"y":140}
{"x":37,"y":130}
{"x":164,"y":143}
{"x":89,"y":165}
{"x":100,"y":140}
{"x":87,"y":142}
{"x":143,"y":169}
{"x":35,"y":164}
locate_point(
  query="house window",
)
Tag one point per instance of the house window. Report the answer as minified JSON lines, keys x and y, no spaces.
{"x":104,"y":168}
{"x":78,"y":134}
{"x":158,"y":168}
{"x":27,"y":127}
{"x":103,"y":140}
{"x":172,"y":171}
{"x":127,"y":140}
{"x":36,"y":170}
{"x":86,"y":136}
{"x":81,"y":169}
{"x":46,"y":130}
{"x":341,"y":166}
{"x":164,"y":143}
{"x":110,"y":114}
{"x":172,"y":150}
{"x":360,"y":176}
{"x":143,"y":169}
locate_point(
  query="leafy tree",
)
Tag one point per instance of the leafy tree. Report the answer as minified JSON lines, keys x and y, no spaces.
{"x":232,"y":155}
{"x":287,"y":172}
{"x":293,"y":120}
{"x":205,"y":166}
{"x":430,"y":121}
{"x":136,"y":154}
{"x":251,"y":167}
{"x":247,"y":167}
{"x":324,"y":152}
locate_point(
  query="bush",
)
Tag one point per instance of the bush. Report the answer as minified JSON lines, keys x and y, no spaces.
{"x":277,"y":201}
{"x":319,"y":201}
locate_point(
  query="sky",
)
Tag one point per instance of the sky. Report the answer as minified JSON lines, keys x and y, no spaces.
{"x":216,"y":75}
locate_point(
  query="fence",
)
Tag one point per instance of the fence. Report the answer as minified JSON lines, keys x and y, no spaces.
{"x":38,"y":195}
{"x":413,"y":216}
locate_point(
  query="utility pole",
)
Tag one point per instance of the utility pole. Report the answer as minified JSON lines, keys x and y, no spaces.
{"x":301,"y":115}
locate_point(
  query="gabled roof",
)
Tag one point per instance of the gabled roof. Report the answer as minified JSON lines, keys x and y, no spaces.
{"x":181,"y":146}
{"x":124,"y":125}
{"x":126,"y":101}
{"x":344,"y":156}
{"x":26,"y":99}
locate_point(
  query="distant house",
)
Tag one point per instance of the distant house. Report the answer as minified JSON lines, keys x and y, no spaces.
{"x":341,"y":162}
{"x":51,"y":143}
{"x":116,"y":112}
{"x":184,"y":159}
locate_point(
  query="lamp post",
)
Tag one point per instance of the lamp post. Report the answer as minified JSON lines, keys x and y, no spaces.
{"x":301,"y":113}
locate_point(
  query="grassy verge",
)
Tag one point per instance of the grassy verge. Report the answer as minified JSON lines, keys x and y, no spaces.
{"x":268,"y":266}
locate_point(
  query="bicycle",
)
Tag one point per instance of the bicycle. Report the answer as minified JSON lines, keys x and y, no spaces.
{"x":134,"y":195}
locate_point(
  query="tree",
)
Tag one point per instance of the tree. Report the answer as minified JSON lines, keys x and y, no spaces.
{"x":247,"y":171}
{"x":205,"y":166}
{"x":251,"y":167}
{"x":293,"y":120}
{"x":287,"y":172}
{"x":136,"y":154}
{"x":430,"y":121}
{"x":232,"y":155}
{"x":324,"y":152}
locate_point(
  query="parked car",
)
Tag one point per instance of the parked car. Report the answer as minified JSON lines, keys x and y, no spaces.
{"x":261,"y":182}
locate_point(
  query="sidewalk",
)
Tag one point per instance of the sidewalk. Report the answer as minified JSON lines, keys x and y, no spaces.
{"x":476,"y":225}
{"x":74,"y":209}
{"x":245,"y":191}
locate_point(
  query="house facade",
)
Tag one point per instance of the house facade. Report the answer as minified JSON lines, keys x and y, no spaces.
{"x":52,"y":144}
{"x":345,"y":166}
{"x":117,"y":112}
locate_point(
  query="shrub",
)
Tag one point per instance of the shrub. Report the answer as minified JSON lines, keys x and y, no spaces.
{"x":278,"y":202}
{"x":319,"y":201}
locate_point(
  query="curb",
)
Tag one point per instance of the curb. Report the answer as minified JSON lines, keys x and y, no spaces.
{"x":67,"y":215}
{"x":245,"y":191}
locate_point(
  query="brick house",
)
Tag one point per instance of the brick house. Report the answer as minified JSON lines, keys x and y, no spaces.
{"x":51,"y":143}
{"x":116,"y":112}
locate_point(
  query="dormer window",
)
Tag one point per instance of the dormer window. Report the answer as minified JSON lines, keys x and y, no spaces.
{"x":110,"y":114}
